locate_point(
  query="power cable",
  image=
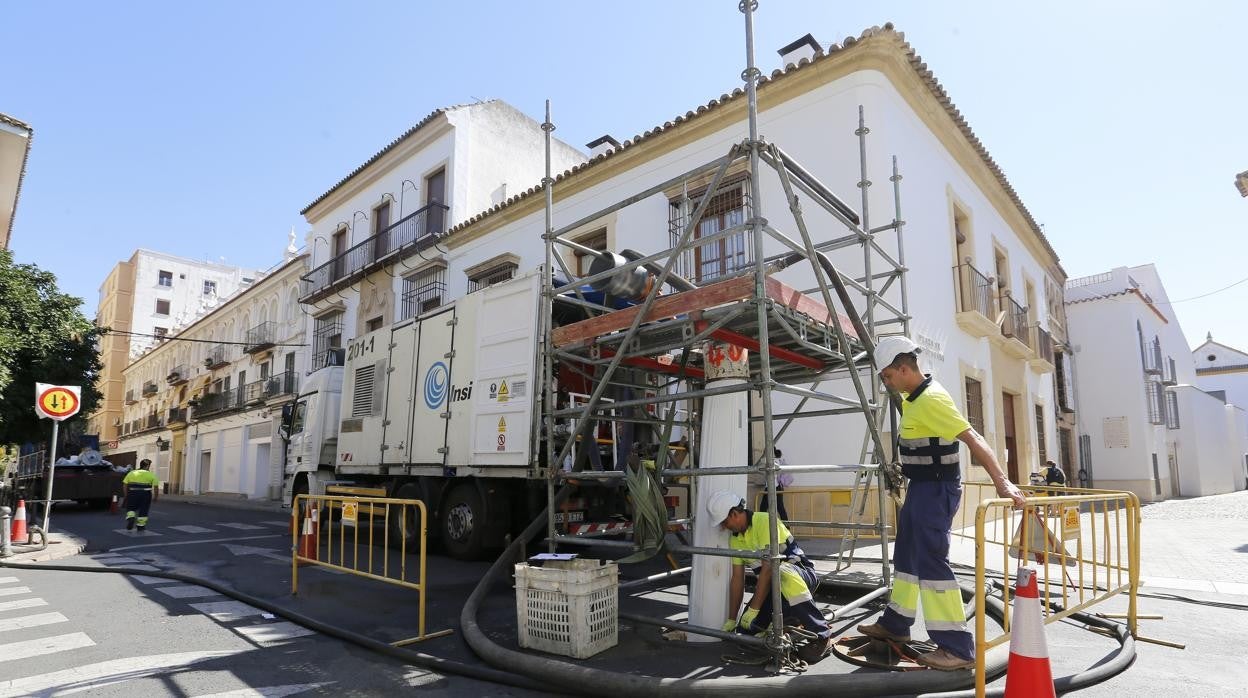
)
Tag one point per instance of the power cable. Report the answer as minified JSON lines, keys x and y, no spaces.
{"x":175,"y":338}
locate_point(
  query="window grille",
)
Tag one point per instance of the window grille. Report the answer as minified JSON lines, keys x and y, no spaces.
{"x":326,"y":337}
{"x":1172,"y":410}
{"x":975,"y":405}
{"x":1155,"y":399}
{"x":423,"y":292}
{"x":707,"y":261}
{"x":1041,"y":447}
{"x":494,"y":275}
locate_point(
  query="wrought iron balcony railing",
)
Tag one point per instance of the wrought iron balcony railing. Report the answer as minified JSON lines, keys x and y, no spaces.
{"x":975,"y":291}
{"x":130,"y":397}
{"x":1043,"y":344}
{"x":410,"y":234}
{"x":261,"y":337}
{"x":217,"y":356}
{"x":178,"y":375}
{"x":149,"y":388}
{"x":1015,"y":322}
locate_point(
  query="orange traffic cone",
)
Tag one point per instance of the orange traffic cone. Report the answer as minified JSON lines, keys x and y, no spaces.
{"x":307,"y":537}
{"x":19,"y":523}
{"x":1028,"y":674}
{"x":113,"y":508}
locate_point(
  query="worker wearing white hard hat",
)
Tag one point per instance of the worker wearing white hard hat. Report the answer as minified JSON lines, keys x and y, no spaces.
{"x":931,"y":432}
{"x":752,"y":531}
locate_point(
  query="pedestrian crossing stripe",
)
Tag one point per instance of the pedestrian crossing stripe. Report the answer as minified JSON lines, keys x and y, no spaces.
{"x":48,"y":645}
{"x":192,"y":529}
{"x":34,"y":621}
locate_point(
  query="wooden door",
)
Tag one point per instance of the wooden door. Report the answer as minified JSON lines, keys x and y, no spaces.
{"x":1011,"y":437}
{"x":435,"y":193}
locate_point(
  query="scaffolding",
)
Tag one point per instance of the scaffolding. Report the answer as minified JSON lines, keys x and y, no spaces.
{"x":797,"y":340}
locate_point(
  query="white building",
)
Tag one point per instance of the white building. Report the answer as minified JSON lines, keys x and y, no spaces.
{"x":1145,"y":425}
{"x":961,"y":213}
{"x":1222,"y":371}
{"x":205,"y":404}
{"x":455,"y":163}
{"x":15,"y":138}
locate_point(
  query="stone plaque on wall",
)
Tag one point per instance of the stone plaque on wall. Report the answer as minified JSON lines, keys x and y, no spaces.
{"x":1116,"y":433}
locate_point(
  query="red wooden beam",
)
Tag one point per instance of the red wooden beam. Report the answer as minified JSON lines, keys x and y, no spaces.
{"x":753,"y":345}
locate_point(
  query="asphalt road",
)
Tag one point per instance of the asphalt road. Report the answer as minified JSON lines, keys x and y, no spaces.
{"x":131,"y":635}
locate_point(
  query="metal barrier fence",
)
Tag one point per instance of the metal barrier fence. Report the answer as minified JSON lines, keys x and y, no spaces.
{"x":344,"y":536}
{"x":1102,"y":526}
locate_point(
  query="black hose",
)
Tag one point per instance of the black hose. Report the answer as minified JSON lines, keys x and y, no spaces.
{"x":576,"y":678}
{"x":420,"y":659}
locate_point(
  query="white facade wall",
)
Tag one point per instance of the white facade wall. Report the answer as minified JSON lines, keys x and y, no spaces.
{"x":1107,"y":314}
{"x":817,"y":129}
{"x":1222,"y":368}
{"x":186,"y":296}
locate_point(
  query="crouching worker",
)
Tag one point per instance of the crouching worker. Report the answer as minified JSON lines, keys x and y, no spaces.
{"x":139,"y":490}
{"x":752,"y":531}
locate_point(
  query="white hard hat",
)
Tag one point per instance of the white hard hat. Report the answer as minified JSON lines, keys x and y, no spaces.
{"x":721,"y":503}
{"x":887,"y":349}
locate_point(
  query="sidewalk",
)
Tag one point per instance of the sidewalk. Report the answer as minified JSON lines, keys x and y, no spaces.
{"x":225,"y":502}
{"x":60,"y":545}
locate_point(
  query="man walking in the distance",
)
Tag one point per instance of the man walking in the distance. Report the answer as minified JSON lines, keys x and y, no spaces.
{"x":139,"y":491}
{"x":930,"y":429}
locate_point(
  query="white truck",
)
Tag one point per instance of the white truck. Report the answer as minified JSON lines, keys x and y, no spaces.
{"x":444,"y":408}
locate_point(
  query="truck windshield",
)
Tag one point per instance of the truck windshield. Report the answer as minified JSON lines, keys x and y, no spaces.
{"x":296,"y":422}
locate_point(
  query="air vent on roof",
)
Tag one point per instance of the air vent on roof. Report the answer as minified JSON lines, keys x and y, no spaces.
{"x":805,"y":47}
{"x":602,"y":144}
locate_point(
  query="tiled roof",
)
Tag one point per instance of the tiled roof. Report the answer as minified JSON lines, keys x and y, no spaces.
{"x":377,"y":156}
{"x":886,"y":33}
{"x":1101,"y":296}
{"x":21,"y":176}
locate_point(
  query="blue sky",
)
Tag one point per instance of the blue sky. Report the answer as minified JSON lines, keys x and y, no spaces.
{"x":201,"y":129}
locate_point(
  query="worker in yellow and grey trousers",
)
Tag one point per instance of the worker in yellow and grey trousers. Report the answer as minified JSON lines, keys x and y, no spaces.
{"x":139,"y":491}
{"x":929,"y":450}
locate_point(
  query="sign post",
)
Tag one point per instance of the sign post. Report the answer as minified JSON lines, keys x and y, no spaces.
{"x":58,"y":403}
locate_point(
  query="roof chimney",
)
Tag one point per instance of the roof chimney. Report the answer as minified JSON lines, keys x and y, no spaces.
{"x":805,"y":47}
{"x":601,"y":145}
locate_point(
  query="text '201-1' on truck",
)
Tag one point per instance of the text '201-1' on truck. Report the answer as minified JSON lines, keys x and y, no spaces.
{"x":445,"y":408}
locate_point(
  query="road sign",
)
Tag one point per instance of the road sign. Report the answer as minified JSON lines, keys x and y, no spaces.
{"x":59,"y":402}
{"x":349,"y":514}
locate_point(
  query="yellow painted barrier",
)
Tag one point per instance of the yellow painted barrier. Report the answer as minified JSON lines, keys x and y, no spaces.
{"x":1084,"y":544}
{"x":345,"y":539}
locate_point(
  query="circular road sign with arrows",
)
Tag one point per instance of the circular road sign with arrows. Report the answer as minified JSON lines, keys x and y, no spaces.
{"x":59,"y":402}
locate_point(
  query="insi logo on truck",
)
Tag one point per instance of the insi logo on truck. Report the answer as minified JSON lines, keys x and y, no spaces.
{"x":437,"y":385}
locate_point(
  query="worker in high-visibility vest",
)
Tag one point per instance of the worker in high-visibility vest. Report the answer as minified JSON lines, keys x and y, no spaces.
{"x":751,"y":530}
{"x":139,"y":489}
{"x":930,"y":453}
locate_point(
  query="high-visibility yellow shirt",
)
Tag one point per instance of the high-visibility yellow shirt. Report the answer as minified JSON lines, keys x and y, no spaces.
{"x":141,"y":477}
{"x":930,"y":411}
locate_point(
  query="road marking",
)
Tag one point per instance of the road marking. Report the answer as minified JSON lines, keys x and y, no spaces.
{"x":242,"y":527}
{"x":268,"y":691}
{"x":285,"y":523}
{"x":8,"y":580}
{"x":227,"y":611}
{"x":186,"y":591}
{"x":198,"y":542}
{"x":21,"y":603}
{"x":270,"y":633}
{"x":193,"y":529}
{"x":262,"y":552}
{"x":47,"y":645}
{"x":99,"y":675}
{"x":135,"y":534}
{"x":14,"y":591}
{"x":145,"y":568}
{"x":31,"y":621}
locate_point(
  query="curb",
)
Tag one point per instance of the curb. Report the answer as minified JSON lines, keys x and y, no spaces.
{"x":226,"y":502}
{"x":60,"y":546}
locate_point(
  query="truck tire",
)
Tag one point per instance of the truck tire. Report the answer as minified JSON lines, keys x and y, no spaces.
{"x":406,"y":526}
{"x":462,"y":523}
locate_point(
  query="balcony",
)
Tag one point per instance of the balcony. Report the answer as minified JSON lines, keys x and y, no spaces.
{"x":177,"y":415}
{"x":261,"y":337}
{"x":1015,"y":329}
{"x":149,"y":388}
{"x":130,"y":397}
{"x":280,"y":384}
{"x":411,"y":234}
{"x":975,"y":309}
{"x":333,"y":356}
{"x":1169,"y":373}
{"x":216,"y":357}
{"x":220,"y":403}
{"x":178,"y":375}
{"x":1043,"y":361}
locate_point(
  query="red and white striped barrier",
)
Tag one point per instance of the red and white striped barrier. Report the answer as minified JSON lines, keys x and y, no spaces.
{"x":1029,"y":674}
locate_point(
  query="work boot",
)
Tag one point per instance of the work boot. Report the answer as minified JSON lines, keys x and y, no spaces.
{"x":142,"y":529}
{"x":944,"y":660}
{"x":815,"y":650}
{"x":876,"y":631}
{"x":130,"y":523}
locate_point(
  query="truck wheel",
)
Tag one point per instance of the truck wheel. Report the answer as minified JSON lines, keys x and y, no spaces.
{"x":406,"y":526}
{"x":462,"y":522}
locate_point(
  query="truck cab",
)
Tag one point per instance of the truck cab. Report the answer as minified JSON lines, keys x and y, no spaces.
{"x":310,"y":428}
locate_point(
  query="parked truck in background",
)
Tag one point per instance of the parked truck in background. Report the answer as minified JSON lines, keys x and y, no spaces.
{"x":445,"y":408}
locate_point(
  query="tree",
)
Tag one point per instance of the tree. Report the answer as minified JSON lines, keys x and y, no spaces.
{"x":44,"y":338}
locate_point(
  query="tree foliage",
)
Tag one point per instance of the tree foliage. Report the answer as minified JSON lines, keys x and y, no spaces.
{"x":44,"y":338}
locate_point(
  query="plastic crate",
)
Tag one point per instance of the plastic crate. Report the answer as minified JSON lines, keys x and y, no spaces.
{"x":568,"y":607}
